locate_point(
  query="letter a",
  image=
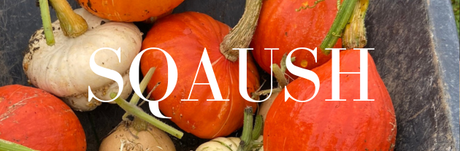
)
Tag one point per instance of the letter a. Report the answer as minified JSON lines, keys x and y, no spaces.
{"x":211,"y":78}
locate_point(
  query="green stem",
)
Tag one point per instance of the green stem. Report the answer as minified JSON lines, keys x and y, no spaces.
{"x":135,"y":99}
{"x":338,"y":25}
{"x":150,"y":93}
{"x":140,"y":116}
{"x":10,"y":146}
{"x":46,"y":20}
{"x":246,"y":137}
{"x":137,"y":112}
{"x":258,"y":127}
{"x":241,"y":35}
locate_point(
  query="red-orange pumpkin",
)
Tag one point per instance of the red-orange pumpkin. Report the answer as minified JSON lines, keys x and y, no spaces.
{"x":184,"y":36}
{"x":129,"y":11}
{"x":38,"y":120}
{"x":282,"y":25}
{"x":321,"y":125}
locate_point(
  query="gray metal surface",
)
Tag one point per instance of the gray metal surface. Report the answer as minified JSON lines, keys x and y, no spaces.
{"x":446,"y":41}
{"x":416,"y":52}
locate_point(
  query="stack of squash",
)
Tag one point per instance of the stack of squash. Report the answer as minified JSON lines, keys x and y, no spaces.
{"x":288,"y":38}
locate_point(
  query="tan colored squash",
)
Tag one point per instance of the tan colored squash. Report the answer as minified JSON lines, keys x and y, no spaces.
{"x":137,"y":136}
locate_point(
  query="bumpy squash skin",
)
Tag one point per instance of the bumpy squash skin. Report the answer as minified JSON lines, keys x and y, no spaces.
{"x":38,"y":120}
{"x":226,"y":144}
{"x":281,"y":26}
{"x":64,"y":70}
{"x":321,"y":125}
{"x":126,"y":137}
{"x":184,"y":36}
{"x":129,"y":11}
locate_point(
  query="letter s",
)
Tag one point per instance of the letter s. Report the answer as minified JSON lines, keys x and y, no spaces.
{"x":107,"y":73}
{"x":301,"y":72}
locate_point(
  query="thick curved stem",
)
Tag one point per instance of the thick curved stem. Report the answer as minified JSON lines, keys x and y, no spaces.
{"x":340,"y":21}
{"x":241,"y":35}
{"x":46,"y":20}
{"x":7,"y":145}
{"x":354,"y":35}
{"x":72,"y":24}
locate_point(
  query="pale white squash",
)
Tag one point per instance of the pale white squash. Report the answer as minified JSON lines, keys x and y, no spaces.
{"x":225,"y":144}
{"x":63,"y":69}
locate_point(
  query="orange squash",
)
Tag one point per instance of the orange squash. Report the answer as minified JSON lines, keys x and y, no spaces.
{"x":38,"y":120}
{"x":129,"y":11}
{"x":184,"y":36}
{"x":285,"y":25}
{"x":325,"y":125}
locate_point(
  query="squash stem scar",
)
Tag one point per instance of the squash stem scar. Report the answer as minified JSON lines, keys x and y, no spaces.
{"x":306,"y":6}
